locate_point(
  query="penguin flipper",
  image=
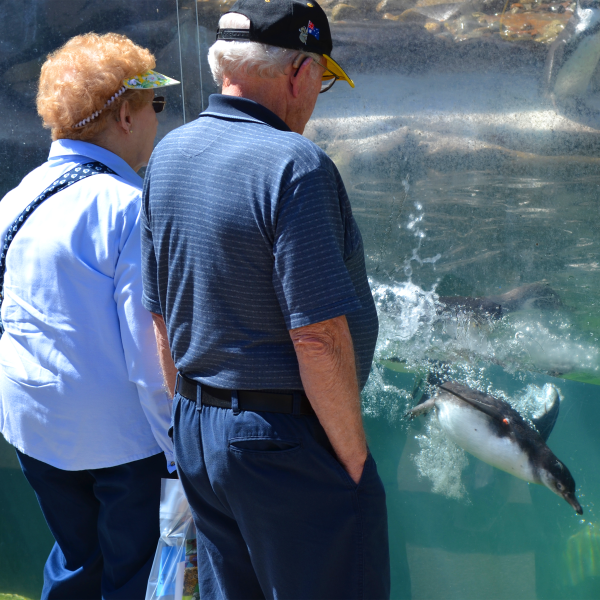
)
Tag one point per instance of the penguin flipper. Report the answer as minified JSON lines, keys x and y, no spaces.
{"x":420,"y":408}
{"x":475,"y":399}
{"x":545,"y":422}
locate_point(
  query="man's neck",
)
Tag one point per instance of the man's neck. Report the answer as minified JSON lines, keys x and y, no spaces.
{"x":270,"y":93}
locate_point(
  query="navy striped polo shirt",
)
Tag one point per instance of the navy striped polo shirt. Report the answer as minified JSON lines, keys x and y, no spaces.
{"x":247,"y":232}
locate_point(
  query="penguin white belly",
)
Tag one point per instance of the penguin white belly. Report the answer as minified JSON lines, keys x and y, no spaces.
{"x":470,"y":429}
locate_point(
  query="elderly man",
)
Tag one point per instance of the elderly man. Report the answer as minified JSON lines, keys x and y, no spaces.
{"x":254,"y":270}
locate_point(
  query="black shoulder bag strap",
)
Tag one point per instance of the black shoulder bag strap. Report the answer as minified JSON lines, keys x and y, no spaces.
{"x":76,"y":174}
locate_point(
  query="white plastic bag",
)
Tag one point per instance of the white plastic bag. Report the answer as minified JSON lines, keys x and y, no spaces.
{"x":174,"y":574}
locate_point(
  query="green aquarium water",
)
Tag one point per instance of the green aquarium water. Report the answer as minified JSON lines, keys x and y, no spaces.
{"x":25,"y":540}
{"x":459,"y":528}
{"x":482,"y":533}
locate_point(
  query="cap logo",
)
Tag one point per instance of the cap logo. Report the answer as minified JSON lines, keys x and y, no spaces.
{"x":313,"y":30}
{"x":303,"y":34}
{"x":309,"y":5}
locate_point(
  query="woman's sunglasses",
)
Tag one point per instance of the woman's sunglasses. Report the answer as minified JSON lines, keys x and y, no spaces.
{"x":158,"y":103}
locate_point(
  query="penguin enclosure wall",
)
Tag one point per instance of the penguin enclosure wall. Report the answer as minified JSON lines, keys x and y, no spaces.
{"x":470,"y":149}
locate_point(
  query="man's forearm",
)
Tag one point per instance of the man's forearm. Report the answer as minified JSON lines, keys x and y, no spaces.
{"x":164,"y":353}
{"x":328,"y":371}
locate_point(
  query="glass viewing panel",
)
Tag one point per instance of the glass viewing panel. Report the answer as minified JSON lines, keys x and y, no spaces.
{"x":470,"y":152}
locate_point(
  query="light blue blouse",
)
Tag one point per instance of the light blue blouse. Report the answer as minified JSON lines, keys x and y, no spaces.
{"x":80,"y":381}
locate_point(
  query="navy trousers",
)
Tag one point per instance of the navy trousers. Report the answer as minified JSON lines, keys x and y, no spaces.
{"x":277,"y":515}
{"x":106,"y":526}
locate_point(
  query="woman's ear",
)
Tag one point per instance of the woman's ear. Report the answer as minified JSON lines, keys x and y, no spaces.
{"x":124,"y":117}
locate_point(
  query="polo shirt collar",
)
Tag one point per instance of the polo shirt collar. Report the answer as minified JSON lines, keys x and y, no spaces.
{"x":67,"y":150}
{"x":242,"y":109}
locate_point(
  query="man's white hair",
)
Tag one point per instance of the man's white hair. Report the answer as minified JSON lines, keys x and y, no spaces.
{"x":226,"y":58}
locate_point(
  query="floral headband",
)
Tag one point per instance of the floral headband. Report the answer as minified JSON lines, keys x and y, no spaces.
{"x":144,"y":81}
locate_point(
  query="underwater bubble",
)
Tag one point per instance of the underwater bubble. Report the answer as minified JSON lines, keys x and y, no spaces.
{"x":432,"y":259}
{"x":519,"y":342}
{"x":380,"y":399}
{"x":441,"y":461}
{"x":542,"y":347}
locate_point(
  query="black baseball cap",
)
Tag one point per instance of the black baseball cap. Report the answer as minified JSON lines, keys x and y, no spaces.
{"x":295,"y":24}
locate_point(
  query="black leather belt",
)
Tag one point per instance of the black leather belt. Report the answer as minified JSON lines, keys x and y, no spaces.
{"x":277,"y":402}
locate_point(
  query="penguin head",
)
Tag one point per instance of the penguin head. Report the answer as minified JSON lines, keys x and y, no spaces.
{"x":556,"y":477}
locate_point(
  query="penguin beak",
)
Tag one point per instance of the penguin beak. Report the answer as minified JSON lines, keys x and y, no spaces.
{"x":570,"y":498}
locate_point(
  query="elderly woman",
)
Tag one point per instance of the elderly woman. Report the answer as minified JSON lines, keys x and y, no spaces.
{"x":82,"y":397}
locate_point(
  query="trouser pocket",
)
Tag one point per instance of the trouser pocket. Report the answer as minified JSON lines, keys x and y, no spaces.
{"x":263,"y":445}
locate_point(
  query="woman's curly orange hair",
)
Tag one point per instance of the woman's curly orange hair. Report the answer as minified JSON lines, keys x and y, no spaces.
{"x":81,"y":76}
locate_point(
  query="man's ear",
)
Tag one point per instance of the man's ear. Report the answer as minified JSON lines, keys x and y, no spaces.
{"x":124,"y":117}
{"x":298,"y":76}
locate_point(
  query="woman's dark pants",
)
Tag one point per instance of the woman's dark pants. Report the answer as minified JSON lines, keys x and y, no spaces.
{"x":106,"y":526}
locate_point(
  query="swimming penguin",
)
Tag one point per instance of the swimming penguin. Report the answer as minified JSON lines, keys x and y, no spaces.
{"x":491,"y":430}
{"x":478,"y":307}
{"x":543,"y":416}
{"x":574,"y":55}
{"x":537,"y":295}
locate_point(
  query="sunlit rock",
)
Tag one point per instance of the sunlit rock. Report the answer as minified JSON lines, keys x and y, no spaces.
{"x":342,"y":12}
{"x":433,"y":27}
{"x":394,"y":6}
{"x":436,"y":2}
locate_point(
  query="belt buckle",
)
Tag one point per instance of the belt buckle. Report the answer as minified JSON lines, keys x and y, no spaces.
{"x":235,"y":404}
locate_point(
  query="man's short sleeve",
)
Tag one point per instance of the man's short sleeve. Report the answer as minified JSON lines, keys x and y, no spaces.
{"x":150,"y":297}
{"x":310,"y":277}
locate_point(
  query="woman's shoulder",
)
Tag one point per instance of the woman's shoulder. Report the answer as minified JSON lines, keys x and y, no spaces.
{"x":113,"y":194}
{"x":16,"y":200}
